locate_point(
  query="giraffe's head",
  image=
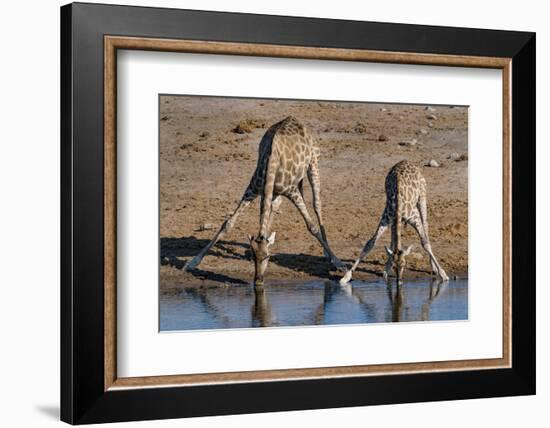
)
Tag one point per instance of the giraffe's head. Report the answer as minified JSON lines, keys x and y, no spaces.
{"x":398,"y":260}
{"x":260,"y":252}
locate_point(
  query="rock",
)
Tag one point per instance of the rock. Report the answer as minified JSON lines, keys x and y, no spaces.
{"x":430,"y":125}
{"x":383,"y":109}
{"x":382,"y":137}
{"x":239,"y":129}
{"x":456,"y":157}
{"x":247,"y":126}
{"x":431,"y":117}
{"x":204,"y":134}
{"x":164,"y":118}
{"x":205,"y":226}
{"x":424,"y":131}
{"x":432,"y":163}
{"x":360,"y":128}
{"x":408,"y":143}
{"x":430,"y":109}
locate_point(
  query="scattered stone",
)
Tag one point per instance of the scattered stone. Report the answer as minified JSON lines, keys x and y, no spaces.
{"x":431,"y":117}
{"x":360,"y":128}
{"x":204,"y":134}
{"x":456,"y":157}
{"x":430,"y":125}
{"x":164,"y":118}
{"x":424,"y":131}
{"x":430,"y":109}
{"x":383,"y":109}
{"x":242,"y":129}
{"x":401,"y":118}
{"x":205,"y":226}
{"x":247,"y":126}
{"x":432,"y":163}
{"x":408,"y":143}
{"x":382,"y":137}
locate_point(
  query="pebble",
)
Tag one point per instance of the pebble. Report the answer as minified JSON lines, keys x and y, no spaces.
{"x":383,"y":109}
{"x":424,"y":131}
{"x":430,"y":125}
{"x":205,"y":226}
{"x":408,"y":143}
{"x":432,"y":163}
{"x":382,"y":137}
{"x":456,"y":157}
{"x":431,"y":117}
{"x":430,"y":109}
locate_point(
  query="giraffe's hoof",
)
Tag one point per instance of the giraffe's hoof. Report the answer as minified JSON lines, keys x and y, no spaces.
{"x":443,"y":276}
{"x":190,"y":265}
{"x":346,"y":278}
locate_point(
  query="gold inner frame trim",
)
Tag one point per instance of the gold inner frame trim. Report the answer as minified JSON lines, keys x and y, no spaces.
{"x":113,"y":43}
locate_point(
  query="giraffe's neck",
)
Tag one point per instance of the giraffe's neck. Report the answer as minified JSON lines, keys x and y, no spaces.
{"x":398,"y":213}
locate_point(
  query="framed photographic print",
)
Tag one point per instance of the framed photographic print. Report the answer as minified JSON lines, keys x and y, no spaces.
{"x":265,"y":213}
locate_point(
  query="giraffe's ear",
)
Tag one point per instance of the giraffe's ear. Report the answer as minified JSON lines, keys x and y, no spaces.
{"x":408,"y":250}
{"x":390,"y":252}
{"x":271,"y":239}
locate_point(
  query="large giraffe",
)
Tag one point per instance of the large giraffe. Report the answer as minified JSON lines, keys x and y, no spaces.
{"x":286,"y":155}
{"x":405,"y":204}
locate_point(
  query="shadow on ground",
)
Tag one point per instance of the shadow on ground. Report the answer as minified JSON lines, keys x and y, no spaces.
{"x":175,"y":252}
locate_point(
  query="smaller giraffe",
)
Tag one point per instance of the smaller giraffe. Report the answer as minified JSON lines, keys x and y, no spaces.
{"x":405,"y":204}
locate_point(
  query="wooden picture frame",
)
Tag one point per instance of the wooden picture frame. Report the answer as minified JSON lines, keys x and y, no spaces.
{"x":91,"y":390}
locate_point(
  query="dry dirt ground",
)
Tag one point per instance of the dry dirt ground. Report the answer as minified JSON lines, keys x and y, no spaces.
{"x":208,"y":152}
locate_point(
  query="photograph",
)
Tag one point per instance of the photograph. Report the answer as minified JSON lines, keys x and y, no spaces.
{"x":285,"y":213}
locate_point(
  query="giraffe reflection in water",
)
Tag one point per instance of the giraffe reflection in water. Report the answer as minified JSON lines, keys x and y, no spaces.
{"x":313,"y":303}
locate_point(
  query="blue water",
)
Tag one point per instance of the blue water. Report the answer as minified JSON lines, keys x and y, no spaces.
{"x":312,"y":303}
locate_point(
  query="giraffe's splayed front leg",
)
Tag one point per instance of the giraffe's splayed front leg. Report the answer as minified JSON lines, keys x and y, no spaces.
{"x":442,"y":275}
{"x":346,"y":278}
{"x":192,"y":264}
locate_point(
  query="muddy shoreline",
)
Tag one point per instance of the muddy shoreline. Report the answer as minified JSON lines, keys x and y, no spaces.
{"x":208,"y":154}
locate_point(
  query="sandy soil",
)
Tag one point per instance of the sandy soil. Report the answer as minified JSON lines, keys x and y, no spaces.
{"x":205,"y":166}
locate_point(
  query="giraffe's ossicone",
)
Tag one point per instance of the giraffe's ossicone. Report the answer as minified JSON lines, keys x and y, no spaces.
{"x":287,"y":154}
{"x":406,"y":203}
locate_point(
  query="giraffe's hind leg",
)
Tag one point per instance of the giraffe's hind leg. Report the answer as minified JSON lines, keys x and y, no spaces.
{"x":274,"y":208}
{"x":382,"y":226}
{"x":389,"y":262}
{"x":298,"y":201}
{"x":423,"y":210}
{"x":225,"y":228}
{"x":418,"y":225}
{"x":315,"y":182}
